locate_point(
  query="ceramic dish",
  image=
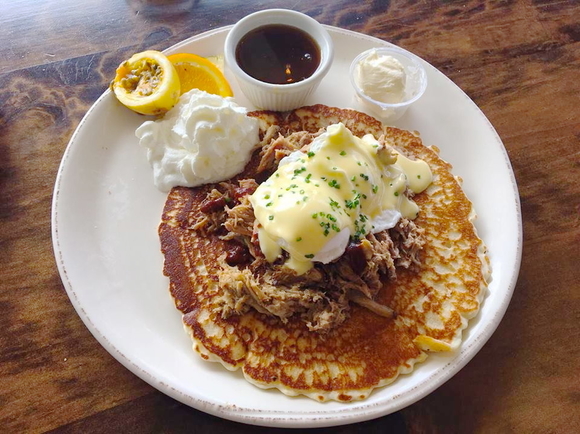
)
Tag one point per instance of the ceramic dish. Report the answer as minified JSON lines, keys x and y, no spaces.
{"x":104,"y":225}
{"x":278,"y":96}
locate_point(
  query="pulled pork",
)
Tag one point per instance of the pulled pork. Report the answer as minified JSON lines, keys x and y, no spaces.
{"x":320,"y":296}
{"x":282,"y":146}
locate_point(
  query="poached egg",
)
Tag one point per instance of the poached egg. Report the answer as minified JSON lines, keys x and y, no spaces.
{"x":342,"y":187}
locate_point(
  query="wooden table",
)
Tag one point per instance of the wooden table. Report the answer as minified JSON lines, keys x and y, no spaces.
{"x":519,"y":60}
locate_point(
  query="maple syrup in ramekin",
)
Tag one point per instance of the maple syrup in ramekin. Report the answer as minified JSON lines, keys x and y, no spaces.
{"x":278,"y":54}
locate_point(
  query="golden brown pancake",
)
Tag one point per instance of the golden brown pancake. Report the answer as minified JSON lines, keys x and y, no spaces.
{"x":366,"y":351}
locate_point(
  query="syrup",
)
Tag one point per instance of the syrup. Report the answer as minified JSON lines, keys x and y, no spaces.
{"x":278,"y":54}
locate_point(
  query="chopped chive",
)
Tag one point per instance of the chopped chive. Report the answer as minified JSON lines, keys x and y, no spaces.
{"x":334,"y":184}
{"x":334,"y":204}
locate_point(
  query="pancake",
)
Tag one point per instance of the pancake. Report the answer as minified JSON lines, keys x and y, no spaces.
{"x":367,"y":351}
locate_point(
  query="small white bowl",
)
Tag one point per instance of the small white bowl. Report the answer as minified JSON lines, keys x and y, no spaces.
{"x":278,"y":97}
{"x":415,"y":85}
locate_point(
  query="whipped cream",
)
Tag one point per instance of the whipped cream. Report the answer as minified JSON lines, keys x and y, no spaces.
{"x":381,"y":77}
{"x":205,"y":138}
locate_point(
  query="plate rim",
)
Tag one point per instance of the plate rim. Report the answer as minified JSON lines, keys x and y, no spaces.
{"x":349,"y":413}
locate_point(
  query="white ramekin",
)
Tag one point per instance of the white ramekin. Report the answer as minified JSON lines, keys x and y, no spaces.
{"x":416,"y":83}
{"x":278,"y":97}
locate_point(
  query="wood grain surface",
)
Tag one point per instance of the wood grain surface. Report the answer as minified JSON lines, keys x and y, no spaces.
{"x":518,"y":60}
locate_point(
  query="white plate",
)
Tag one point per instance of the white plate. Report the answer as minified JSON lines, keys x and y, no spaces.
{"x":104,"y":225}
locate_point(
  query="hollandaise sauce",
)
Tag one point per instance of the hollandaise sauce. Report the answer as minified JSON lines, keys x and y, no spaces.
{"x":316,"y":201}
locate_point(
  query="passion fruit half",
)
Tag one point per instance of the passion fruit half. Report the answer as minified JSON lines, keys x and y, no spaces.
{"x":147,"y":83}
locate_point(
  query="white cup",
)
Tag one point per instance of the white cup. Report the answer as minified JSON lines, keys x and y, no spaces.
{"x":415,"y":85}
{"x":278,"y":97}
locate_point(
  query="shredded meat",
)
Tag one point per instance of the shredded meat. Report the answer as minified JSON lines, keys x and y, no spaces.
{"x":282,"y":146}
{"x":330,"y":313}
{"x":320,"y":296}
{"x":269,"y":135}
{"x":282,"y":293}
{"x":408,"y":237}
{"x":245,"y":290}
{"x":379,"y":254}
{"x":370,"y":304}
{"x":240,"y":219}
{"x":211,"y":215}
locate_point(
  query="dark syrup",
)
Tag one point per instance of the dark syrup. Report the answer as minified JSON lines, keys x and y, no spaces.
{"x":278,"y":54}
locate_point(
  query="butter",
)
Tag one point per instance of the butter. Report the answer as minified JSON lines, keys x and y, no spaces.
{"x":343,"y":187}
{"x":381,"y":77}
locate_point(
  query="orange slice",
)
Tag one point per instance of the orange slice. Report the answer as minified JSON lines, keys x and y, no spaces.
{"x":147,"y":83}
{"x":196,"y":72}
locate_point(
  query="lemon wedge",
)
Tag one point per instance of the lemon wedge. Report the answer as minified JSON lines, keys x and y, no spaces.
{"x":147,"y":83}
{"x":427,"y":343}
{"x":196,"y":72}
